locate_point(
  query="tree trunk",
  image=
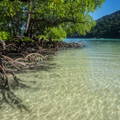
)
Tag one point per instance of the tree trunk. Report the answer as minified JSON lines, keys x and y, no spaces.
{"x":28,"y":19}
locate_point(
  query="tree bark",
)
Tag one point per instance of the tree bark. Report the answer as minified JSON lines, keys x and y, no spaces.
{"x":28,"y":19}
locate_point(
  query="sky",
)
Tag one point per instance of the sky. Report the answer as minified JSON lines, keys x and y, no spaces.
{"x":108,"y":7}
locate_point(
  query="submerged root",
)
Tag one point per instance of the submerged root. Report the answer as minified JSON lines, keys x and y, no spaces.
{"x":6,"y":74}
{"x":7,"y":95}
{"x":11,"y":99}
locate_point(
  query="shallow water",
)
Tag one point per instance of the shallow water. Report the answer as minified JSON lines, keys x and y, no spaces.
{"x":83,"y":84}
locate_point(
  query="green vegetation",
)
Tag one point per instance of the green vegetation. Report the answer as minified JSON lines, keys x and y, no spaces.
{"x":38,"y":17}
{"x":4,"y":36}
{"x":107,"y":27}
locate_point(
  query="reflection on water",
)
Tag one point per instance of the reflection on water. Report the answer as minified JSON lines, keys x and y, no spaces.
{"x":84,"y":85}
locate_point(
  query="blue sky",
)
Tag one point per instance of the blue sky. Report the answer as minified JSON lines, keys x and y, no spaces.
{"x":108,"y":7}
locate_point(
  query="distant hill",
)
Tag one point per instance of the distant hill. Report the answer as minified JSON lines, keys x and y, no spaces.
{"x":106,"y":27}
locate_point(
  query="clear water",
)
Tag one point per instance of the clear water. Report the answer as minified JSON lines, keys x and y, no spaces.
{"x":83,"y":84}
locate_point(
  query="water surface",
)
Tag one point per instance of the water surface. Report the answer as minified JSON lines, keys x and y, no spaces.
{"x":83,"y":84}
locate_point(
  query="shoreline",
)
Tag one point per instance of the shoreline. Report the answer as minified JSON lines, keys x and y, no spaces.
{"x":47,"y":54}
{"x":19,"y":50}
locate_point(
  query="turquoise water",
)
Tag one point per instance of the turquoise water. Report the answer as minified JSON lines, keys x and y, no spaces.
{"x":91,"y":39}
{"x":82,"y":84}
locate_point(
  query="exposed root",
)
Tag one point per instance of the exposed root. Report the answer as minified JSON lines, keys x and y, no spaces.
{"x":6,"y":73}
{"x":34,"y":57}
{"x":5,"y":90}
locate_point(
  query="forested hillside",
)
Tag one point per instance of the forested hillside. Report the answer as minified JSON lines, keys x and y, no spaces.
{"x":107,"y":27}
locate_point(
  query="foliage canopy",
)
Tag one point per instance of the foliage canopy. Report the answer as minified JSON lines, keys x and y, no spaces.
{"x":37,"y":17}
